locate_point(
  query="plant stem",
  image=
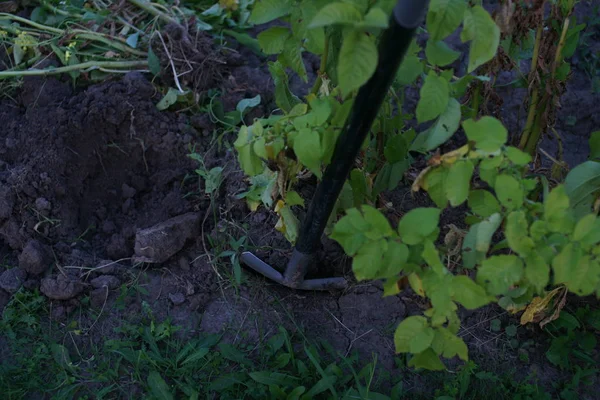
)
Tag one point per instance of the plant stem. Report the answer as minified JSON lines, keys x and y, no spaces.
{"x":475,"y":106}
{"x":5,"y":16}
{"x":531,"y":115}
{"x":117,"y":43}
{"x":148,"y":7}
{"x":76,"y":67}
{"x":322,"y":67}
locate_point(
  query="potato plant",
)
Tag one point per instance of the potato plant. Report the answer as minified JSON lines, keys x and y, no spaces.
{"x":523,"y":238}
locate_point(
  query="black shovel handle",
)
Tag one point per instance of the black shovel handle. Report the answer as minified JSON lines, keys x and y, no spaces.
{"x":394,"y":42}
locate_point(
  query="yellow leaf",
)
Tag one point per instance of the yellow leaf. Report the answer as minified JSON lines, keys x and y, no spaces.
{"x":452,"y":156}
{"x":420,"y":180}
{"x":537,"y":308}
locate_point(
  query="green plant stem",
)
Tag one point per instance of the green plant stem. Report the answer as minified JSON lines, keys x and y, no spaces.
{"x":475,"y":106}
{"x":536,"y":130}
{"x":533,"y":103}
{"x":322,"y":67}
{"x":148,"y":7}
{"x":76,"y":67}
{"x":117,"y":43}
{"x":46,"y":28}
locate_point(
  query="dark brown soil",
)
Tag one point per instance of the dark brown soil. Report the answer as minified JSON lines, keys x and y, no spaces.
{"x":83,"y":171}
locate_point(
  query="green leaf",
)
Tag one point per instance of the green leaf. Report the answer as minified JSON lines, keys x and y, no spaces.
{"x":484,"y":34}
{"x":556,"y":203}
{"x":441,"y":130}
{"x":483,"y":203}
{"x":283,"y":96}
{"x":488,"y":133}
{"x":158,"y":387}
{"x":356,"y":228}
{"x":427,"y":360}
{"x":594,"y":145}
{"x":444,"y":17}
{"x":448,"y":345}
{"x":233,"y":354}
{"x":459,"y":181}
{"x":375,"y":18}
{"x":537,"y":271}
{"x":292,"y":198}
{"x":367,"y":262}
{"x":357,"y":61}
{"x":336,"y":13}
{"x":468,"y":293}
{"x":268,"y":10}
{"x":435,"y":95}
{"x":432,"y":257}
{"x":393,"y":260}
{"x":249,"y":161}
{"x":516,"y":233}
{"x":477,"y":242}
{"x":439,"y":53}
{"x":395,"y":149}
{"x":390,"y":176}
{"x":245,"y":104}
{"x":307,"y":146}
{"x":499,"y":273}
{"x":435,"y":184}
{"x":509,"y":192}
{"x":419,"y":224}
{"x":132,"y":40}
{"x":168,"y":99}
{"x":358,"y":182}
{"x":274,"y":378}
{"x":583,"y":184}
{"x":517,"y":156}
{"x":153,"y":62}
{"x":409,"y":70}
{"x":292,"y":56}
{"x":271,"y":40}
{"x":413,"y":335}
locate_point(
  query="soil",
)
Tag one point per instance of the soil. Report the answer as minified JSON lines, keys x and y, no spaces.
{"x":95,"y":192}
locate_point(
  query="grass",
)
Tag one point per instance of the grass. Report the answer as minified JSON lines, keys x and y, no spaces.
{"x":149,"y":358}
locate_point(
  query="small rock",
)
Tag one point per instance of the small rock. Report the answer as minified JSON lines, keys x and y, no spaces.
{"x":127,"y":191}
{"x":34,"y":259}
{"x":61,"y":288}
{"x":41,"y":204}
{"x":127,"y":205}
{"x":12,"y":279}
{"x":98,"y":297}
{"x":158,"y":243}
{"x":177,"y":298}
{"x":110,"y":281}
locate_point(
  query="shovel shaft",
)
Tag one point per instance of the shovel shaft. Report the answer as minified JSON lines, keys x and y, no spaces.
{"x":394,"y":42}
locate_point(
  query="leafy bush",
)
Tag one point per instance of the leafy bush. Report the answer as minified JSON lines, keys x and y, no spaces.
{"x":523,"y":237}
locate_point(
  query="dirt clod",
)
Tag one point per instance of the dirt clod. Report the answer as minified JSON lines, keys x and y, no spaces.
{"x":158,"y":243}
{"x":61,"y":288}
{"x":98,"y":297}
{"x":34,"y":258}
{"x":109,"y":281}
{"x":7,"y":202}
{"x":107,"y":267}
{"x":177,"y":298}
{"x":12,"y":279}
